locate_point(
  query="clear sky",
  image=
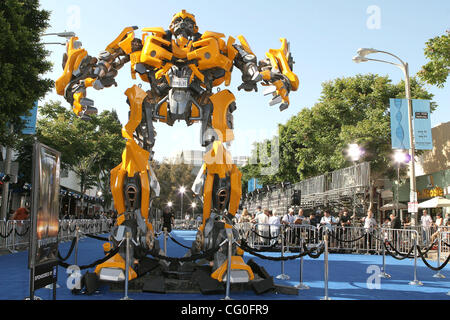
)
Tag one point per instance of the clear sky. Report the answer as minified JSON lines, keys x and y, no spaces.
{"x":324,"y":36}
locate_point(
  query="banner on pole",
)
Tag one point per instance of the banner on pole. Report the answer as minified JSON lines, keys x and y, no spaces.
{"x":399,"y":124}
{"x":30,"y":121}
{"x":253,"y":185}
{"x":422,"y":125}
{"x":43,"y":253}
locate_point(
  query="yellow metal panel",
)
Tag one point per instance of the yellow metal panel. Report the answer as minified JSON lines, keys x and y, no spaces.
{"x":125,"y":44}
{"x":116,"y":262}
{"x":221,"y":101}
{"x":153,"y":53}
{"x":237,"y":263}
{"x":245,"y":44}
{"x":279,"y":61}
{"x":117,"y":179}
{"x":236,"y":190}
{"x":134,"y":158}
{"x":115,"y":44}
{"x":74,"y":57}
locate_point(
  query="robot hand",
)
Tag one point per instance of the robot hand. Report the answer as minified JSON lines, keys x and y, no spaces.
{"x":250,"y":77}
{"x":280,"y":90}
{"x":78,"y":70}
{"x":278,"y":75}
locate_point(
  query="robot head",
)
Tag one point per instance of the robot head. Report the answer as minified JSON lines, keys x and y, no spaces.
{"x":183,"y":24}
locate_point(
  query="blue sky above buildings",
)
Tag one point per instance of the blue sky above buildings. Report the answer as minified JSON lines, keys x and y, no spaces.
{"x":324,"y":36}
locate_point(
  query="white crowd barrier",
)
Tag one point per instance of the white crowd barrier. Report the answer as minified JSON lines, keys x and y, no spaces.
{"x":15,"y":234}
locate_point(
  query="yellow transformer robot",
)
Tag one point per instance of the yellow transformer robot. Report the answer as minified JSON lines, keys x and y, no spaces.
{"x":182,"y":66}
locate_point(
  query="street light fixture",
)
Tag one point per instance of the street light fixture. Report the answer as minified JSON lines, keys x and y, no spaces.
{"x":66,"y":35}
{"x":354,"y":152}
{"x":182,"y":191}
{"x":399,"y":158}
{"x":362,"y":53}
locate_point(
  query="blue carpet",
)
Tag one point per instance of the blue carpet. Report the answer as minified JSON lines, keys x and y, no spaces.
{"x":348,"y":275}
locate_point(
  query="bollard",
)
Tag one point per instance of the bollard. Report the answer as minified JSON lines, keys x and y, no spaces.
{"x":301,"y":285}
{"x":383,"y":273}
{"x":415,"y":282}
{"x":127,"y":265}
{"x":76,"y":245}
{"x":289,"y":237}
{"x":13,"y":250}
{"x":282,"y":276}
{"x":325,"y":257}
{"x":165,"y":241}
{"x":438,"y":262}
{"x":230,"y":249}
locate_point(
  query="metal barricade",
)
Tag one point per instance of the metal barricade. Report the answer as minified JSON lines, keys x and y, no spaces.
{"x":3,"y":234}
{"x":295,"y":233}
{"x":401,"y":239}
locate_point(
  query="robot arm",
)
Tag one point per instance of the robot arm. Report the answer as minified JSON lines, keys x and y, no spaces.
{"x":275,"y":71}
{"x":82,"y":71}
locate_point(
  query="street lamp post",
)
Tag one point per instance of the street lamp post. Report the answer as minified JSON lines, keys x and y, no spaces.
{"x":193,"y":208}
{"x":355,"y":152}
{"x":361,"y":57}
{"x":182,"y":191}
{"x":399,"y":158}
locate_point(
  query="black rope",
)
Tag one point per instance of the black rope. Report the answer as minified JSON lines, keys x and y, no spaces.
{"x":243,"y":245}
{"x":265,"y":237}
{"x":348,"y":241}
{"x":72,"y":230}
{"x":74,"y":240}
{"x":442,"y":266}
{"x":399,"y":256}
{"x":96,"y":237}
{"x":207,"y":254}
{"x":8,"y":234}
{"x":21,"y":234}
{"x":62,"y":228}
{"x":95,"y":263}
{"x":178,"y":243}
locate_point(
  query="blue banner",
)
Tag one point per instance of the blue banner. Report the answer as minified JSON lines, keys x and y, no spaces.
{"x":30,"y":121}
{"x":422,"y":125}
{"x":253,"y":185}
{"x":399,"y":124}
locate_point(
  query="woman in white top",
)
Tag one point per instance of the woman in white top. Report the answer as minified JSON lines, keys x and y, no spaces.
{"x":369,"y":224}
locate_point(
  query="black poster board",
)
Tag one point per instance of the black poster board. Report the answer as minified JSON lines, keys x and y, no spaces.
{"x":43,"y":249}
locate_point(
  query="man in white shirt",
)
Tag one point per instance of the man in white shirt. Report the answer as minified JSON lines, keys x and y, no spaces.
{"x":426,"y":226}
{"x":262,"y":221}
{"x":274,"y":225}
{"x":287,"y":220}
{"x":327,"y":220}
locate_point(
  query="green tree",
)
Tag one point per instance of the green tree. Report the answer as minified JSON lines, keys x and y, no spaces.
{"x":350,"y":110}
{"x":22,"y":63}
{"x":437,"y":51}
{"x":171,"y":177}
{"x":91,"y":149}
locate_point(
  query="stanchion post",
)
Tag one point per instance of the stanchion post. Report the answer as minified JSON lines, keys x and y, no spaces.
{"x":13,"y":250}
{"x":325,"y":257}
{"x":289,"y":236}
{"x":438,"y":262}
{"x":383,"y":273}
{"x":301,"y":285}
{"x":127,"y":265}
{"x":415,"y":282}
{"x":76,"y":245}
{"x":230,"y":249}
{"x":165,"y":241}
{"x":282,"y":276}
